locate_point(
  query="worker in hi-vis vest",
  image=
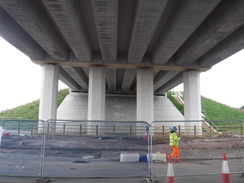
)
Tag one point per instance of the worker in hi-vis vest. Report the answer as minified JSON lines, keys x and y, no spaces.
{"x":174,"y":143}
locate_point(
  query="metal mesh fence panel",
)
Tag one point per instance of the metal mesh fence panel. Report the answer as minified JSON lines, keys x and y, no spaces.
{"x":92,"y":149}
{"x":200,"y":148}
{"x":20,"y":148}
{"x":75,"y":150}
{"x":19,"y":127}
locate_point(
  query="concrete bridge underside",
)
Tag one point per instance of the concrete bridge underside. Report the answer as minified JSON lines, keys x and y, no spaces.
{"x":131,"y":47}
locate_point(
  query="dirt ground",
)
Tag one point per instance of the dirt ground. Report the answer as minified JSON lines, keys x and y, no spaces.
{"x":108,"y":146}
{"x":71,"y":146}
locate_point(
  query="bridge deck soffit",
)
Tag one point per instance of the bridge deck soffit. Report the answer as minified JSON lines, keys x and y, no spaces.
{"x":168,"y":36}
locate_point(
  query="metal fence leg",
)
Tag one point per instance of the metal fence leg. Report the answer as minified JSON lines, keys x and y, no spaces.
{"x":150,"y":174}
{"x":42,"y":161}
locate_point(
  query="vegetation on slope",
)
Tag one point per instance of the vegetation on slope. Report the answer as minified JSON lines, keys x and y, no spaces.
{"x":30,"y":110}
{"x":217,"y":111}
{"x":61,"y":95}
{"x":213,"y":110}
{"x":179,"y":106}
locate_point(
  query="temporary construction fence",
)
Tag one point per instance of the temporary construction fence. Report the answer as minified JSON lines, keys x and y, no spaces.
{"x":20,"y":126}
{"x":20,"y":150}
{"x":92,"y":149}
{"x":193,"y":131}
{"x":75,"y":149}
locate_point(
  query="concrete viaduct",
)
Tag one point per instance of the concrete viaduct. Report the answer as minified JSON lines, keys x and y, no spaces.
{"x":139,"y":48}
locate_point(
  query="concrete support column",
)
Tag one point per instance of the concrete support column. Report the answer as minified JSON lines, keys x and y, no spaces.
{"x":49,"y":92}
{"x":192,"y":98}
{"x":96,"y":95}
{"x":145,"y":96}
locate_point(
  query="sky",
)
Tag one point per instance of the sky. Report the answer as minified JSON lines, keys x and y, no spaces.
{"x":224,"y":81}
{"x":21,"y":79}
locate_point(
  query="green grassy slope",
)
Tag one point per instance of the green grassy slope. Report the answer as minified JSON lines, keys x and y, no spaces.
{"x":30,"y":110}
{"x":218,"y":111}
{"x":213,"y":109}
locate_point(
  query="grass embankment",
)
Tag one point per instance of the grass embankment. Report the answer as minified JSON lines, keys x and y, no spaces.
{"x":217,"y":111}
{"x":213,"y":110}
{"x":30,"y":110}
{"x":179,"y":106}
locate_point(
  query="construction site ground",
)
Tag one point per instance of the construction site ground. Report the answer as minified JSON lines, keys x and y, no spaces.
{"x":70,"y":146}
{"x":201,"y":159}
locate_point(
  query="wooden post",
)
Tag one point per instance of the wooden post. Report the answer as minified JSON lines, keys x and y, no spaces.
{"x":64,"y":128}
{"x":195,"y":131}
{"x":18,"y":128}
{"x":163,"y":131}
{"x":179,"y":130}
{"x":210,"y":130}
{"x":80,"y":129}
{"x":130,"y":130}
{"x":96,"y":129}
{"x":113,"y":129}
{"x":32,"y":128}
